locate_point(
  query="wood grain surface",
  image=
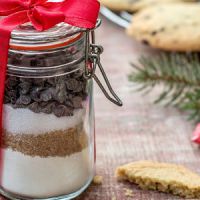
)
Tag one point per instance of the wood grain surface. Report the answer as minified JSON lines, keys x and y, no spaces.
{"x":137,"y":131}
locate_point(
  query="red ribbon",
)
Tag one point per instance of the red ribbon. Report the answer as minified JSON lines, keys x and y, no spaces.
{"x":196,"y":134}
{"x":43,"y":15}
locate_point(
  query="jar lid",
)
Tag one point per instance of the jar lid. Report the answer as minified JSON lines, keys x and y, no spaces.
{"x":25,"y":37}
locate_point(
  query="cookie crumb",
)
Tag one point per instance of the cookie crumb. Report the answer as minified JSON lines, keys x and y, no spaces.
{"x":98,"y":180}
{"x":128,"y":192}
{"x":114,"y":198}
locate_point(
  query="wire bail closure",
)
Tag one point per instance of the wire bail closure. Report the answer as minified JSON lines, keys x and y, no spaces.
{"x":92,"y":61}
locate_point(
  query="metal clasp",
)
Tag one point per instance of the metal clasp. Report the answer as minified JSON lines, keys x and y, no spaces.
{"x":92,"y":61}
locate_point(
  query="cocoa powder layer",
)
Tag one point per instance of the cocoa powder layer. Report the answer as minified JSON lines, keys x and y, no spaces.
{"x":56,"y":143}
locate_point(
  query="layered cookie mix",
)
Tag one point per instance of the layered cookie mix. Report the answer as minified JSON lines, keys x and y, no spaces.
{"x":46,"y":145}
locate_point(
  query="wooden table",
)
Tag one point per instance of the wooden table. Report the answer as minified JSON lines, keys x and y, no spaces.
{"x":137,"y":131}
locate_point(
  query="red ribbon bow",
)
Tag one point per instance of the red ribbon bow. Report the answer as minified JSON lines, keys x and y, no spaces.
{"x":43,"y":15}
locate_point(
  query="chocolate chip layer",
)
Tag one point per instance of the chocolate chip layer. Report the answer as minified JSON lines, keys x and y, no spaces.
{"x":56,"y":95}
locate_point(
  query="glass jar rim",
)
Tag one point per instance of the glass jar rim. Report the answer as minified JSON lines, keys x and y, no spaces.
{"x":25,"y":37}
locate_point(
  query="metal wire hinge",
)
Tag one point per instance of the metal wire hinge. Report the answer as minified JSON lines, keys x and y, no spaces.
{"x":93,"y":59}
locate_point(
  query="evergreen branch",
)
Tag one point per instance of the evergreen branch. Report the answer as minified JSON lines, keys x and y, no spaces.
{"x":178,"y":73}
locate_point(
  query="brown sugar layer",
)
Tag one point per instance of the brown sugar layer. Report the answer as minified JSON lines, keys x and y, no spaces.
{"x":56,"y":143}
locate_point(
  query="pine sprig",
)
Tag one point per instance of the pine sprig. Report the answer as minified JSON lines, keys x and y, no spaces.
{"x":178,"y":73}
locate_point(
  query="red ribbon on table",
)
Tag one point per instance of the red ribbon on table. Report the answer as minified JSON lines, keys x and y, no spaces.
{"x":196,"y":134}
{"x":43,"y":15}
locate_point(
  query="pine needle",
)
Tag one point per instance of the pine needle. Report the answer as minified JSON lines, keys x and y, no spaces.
{"x":179,"y":74}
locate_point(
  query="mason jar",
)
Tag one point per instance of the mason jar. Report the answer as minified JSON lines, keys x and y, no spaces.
{"x":48,"y":120}
{"x":48,"y":139}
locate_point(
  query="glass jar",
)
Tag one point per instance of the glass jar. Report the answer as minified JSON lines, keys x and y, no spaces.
{"x":48,"y":116}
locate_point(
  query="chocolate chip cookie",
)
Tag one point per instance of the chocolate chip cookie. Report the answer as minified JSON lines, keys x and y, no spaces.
{"x":171,"y":27}
{"x":135,"y":5}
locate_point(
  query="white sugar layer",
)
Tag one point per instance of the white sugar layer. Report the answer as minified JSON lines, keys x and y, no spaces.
{"x":24,"y":121}
{"x":45,"y":177}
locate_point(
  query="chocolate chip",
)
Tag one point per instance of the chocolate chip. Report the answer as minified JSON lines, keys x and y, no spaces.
{"x":25,"y":87}
{"x":68,"y":111}
{"x":77,"y":102}
{"x":49,"y":107}
{"x":69,"y":103}
{"x":145,"y":42}
{"x":43,"y":104}
{"x":53,"y":92}
{"x":72,"y":84}
{"x":162,"y":29}
{"x":34,"y":107}
{"x":154,"y":33}
{"x":61,"y":92}
{"x":79,"y":87}
{"x":46,"y":95}
{"x":62,"y":110}
{"x":24,"y":100}
{"x":35,"y":95}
